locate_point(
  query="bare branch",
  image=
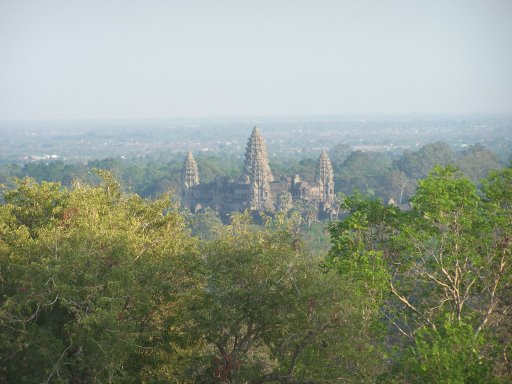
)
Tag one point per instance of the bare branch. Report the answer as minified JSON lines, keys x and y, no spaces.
{"x":438,"y":281}
{"x":399,"y":328}
{"x":404,"y":300}
{"x":55,"y":368}
{"x":493,"y":302}
{"x":279,"y":378}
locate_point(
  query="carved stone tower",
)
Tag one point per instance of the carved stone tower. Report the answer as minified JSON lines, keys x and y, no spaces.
{"x":325,"y":176}
{"x":257,"y":173}
{"x":190,"y":173}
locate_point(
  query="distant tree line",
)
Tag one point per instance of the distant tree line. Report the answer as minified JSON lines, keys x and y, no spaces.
{"x":147,"y":178}
{"x":384,"y":175}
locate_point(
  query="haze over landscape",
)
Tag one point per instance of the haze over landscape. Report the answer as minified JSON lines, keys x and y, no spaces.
{"x":168,"y":59}
{"x":249,"y":192}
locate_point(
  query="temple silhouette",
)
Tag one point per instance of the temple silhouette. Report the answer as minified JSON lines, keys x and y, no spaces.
{"x":256,"y":190}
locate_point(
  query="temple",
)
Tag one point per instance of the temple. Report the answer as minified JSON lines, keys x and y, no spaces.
{"x":257,"y":190}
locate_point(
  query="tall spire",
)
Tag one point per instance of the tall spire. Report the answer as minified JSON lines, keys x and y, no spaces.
{"x":325,"y":176}
{"x":257,"y":173}
{"x":190,"y":173}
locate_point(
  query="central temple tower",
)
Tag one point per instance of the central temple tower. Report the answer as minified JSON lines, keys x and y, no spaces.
{"x":190,"y":172}
{"x":324,"y":175}
{"x":257,"y":173}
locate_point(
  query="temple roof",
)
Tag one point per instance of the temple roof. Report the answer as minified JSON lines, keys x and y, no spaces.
{"x":256,"y":159}
{"x":324,"y":172}
{"x":190,"y":171}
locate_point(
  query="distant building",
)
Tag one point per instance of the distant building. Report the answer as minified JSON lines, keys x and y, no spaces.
{"x":257,"y":190}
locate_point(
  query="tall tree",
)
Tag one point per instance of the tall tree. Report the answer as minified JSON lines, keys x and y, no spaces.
{"x":91,"y":283}
{"x":271,"y":315}
{"x":444,"y":272}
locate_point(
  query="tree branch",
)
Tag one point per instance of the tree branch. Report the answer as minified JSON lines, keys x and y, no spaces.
{"x":492,"y":304}
{"x":288,"y":379}
{"x":404,"y":300}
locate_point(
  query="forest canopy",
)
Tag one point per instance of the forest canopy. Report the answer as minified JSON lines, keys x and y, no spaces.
{"x":98,"y":285}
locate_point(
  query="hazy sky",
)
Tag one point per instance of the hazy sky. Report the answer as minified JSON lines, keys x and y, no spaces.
{"x":165,"y":58}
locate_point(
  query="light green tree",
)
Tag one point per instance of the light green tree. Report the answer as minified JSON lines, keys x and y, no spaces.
{"x":284,"y":202}
{"x":91,"y":284}
{"x":442,"y":271}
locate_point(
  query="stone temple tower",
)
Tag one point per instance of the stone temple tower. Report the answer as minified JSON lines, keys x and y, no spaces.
{"x":257,"y":173}
{"x":325,"y":176}
{"x":190,"y":173}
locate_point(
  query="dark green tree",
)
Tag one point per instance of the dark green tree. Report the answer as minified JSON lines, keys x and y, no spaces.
{"x":271,"y":315}
{"x":417,"y":165}
{"x":366,"y":172}
{"x":439,"y":275}
{"x":476,"y":162}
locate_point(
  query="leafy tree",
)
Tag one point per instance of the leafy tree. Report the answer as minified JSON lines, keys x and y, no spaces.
{"x":357,"y":255}
{"x":204,"y":223}
{"x":284,"y":202}
{"x":365,"y":172}
{"x":305,"y":210}
{"x":317,"y":238}
{"x":477,"y":161}
{"x":416,"y":165}
{"x":400,"y":188}
{"x":271,"y":315}
{"x":211,"y":167}
{"x":442,"y":273}
{"x":91,"y":284}
{"x":338,"y":154}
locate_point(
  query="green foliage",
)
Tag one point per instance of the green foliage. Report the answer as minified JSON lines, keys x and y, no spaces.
{"x":498,"y":189}
{"x":101,"y":286}
{"x":357,"y":251}
{"x":477,"y":161}
{"x":443,"y":272}
{"x":203,"y":224}
{"x":452,"y":354}
{"x":317,"y":238}
{"x":338,"y":154}
{"x":418,"y":164}
{"x":444,"y":198}
{"x":90,"y":281}
{"x":211,"y":167}
{"x":284,"y":202}
{"x":98,"y":286}
{"x":36,"y":205}
{"x":365,"y":172}
{"x":270,"y":312}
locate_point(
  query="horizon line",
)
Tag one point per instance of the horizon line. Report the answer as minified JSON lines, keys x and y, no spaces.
{"x":313,"y":117}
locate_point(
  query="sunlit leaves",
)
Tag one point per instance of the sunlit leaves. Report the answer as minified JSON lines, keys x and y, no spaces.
{"x":99,"y":281}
